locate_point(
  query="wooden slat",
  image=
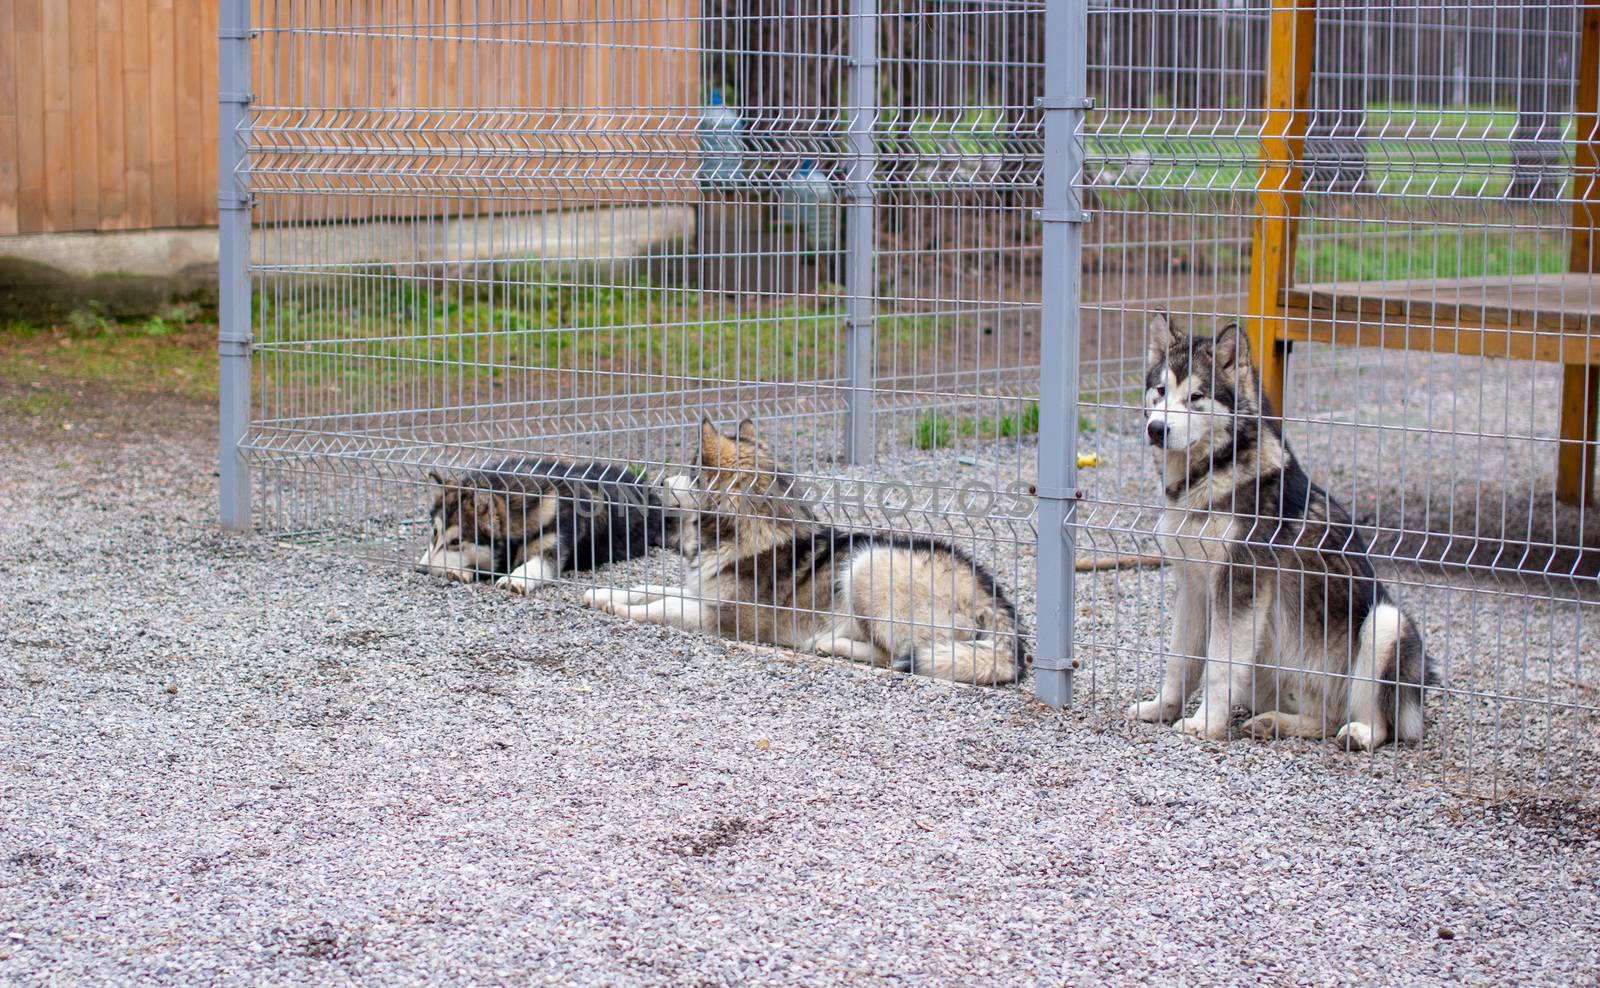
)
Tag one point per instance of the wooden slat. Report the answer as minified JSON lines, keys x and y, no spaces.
{"x":1292,"y":39}
{"x":8,"y":121}
{"x":1580,"y":385}
{"x":207,"y":115}
{"x":57,"y":76}
{"x":84,"y":118}
{"x":190,"y":151}
{"x":1556,"y":303}
{"x":163,"y":115}
{"x":110,"y":163}
{"x":1352,"y":330}
{"x":28,"y":23}
{"x":136,"y":111}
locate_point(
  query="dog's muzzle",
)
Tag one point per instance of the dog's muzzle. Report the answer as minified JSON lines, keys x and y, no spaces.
{"x":1157,"y":431}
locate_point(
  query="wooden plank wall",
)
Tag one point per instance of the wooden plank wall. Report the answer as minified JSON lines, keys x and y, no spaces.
{"x":92,"y":93}
{"x":108,"y":115}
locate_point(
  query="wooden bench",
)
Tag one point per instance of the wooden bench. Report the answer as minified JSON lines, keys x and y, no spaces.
{"x":1549,"y":317}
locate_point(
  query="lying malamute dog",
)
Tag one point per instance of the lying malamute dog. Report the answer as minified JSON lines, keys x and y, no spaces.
{"x":1278,"y":608}
{"x":764,"y":570}
{"x":528,"y":521}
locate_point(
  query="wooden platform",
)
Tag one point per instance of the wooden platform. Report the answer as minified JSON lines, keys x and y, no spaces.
{"x":1552,"y":317}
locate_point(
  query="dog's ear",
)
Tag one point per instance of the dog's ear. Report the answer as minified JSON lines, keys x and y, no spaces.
{"x":489,"y":512}
{"x":1162,"y":336}
{"x":1231,"y":349}
{"x":710,"y":444}
{"x":747,"y":431}
{"x":438,"y":479}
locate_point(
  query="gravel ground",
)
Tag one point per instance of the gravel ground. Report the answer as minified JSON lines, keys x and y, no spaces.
{"x":239,"y":761}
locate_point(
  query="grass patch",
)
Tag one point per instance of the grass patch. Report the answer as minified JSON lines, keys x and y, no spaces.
{"x":362,"y":345}
{"x":154,"y":356}
{"x":404,"y":335}
{"x":1428,"y":255}
{"x":33,"y":404}
{"x":1410,"y":151}
{"x":935,"y":430}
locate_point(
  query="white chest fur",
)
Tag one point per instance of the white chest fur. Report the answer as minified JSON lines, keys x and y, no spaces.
{"x":1195,"y":538}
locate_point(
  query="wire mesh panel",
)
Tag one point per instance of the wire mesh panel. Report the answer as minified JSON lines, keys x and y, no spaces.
{"x":758,"y":317}
{"x":1394,"y":202}
{"x":585,"y":297}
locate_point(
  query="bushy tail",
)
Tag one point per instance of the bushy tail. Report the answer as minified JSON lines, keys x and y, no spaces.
{"x":990,"y":660}
{"x":1391,"y":669}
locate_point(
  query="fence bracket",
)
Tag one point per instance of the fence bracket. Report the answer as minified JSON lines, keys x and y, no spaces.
{"x":1068,"y":215}
{"x":1064,"y":103}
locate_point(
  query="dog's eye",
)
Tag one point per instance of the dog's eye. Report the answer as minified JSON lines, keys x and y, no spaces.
{"x":1196,"y":396}
{"x":1161,"y":391}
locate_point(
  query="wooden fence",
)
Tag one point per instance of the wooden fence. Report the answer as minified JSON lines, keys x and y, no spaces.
{"x":108,"y":112}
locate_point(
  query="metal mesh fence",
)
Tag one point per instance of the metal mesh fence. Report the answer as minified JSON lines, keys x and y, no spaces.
{"x":784,"y":299}
{"x":1393,"y":201}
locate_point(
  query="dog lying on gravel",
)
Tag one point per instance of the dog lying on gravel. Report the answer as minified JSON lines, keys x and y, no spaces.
{"x":523,"y":522}
{"x":1278,"y":607}
{"x":765,"y":570}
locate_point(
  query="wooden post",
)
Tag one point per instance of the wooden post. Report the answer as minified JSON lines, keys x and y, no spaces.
{"x":1580,"y":383}
{"x":1293,"y":39}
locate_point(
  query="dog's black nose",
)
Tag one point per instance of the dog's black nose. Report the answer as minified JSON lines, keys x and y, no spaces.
{"x":1157,"y":431}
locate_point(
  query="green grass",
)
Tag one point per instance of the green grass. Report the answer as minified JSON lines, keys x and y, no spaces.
{"x":1410,"y":150}
{"x":976,"y":132}
{"x":154,"y":356}
{"x":935,"y":430}
{"x":622,"y":331}
{"x":360,"y":350}
{"x":33,"y":404}
{"x":1429,"y":254}
{"x":932,"y":430}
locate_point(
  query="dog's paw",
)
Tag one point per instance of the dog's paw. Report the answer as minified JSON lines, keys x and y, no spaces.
{"x":517,"y":584}
{"x":1151,"y":712}
{"x":1264,"y":727}
{"x":1358,"y":736}
{"x":1198,"y":727}
{"x":599,"y":598}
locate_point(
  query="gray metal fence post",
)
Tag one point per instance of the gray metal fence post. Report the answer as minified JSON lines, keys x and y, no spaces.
{"x":861,"y":234}
{"x":1063,"y":106}
{"x":233,"y":260}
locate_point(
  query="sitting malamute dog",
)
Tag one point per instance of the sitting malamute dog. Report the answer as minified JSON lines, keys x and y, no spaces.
{"x":528,"y":521}
{"x":1277,"y":605}
{"x":765,"y":570}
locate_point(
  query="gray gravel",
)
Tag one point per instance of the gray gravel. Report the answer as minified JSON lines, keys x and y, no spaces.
{"x":235,"y":761}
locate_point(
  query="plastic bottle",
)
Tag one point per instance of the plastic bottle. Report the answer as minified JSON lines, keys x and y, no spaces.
{"x":808,"y":203}
{"x":721,"y":144}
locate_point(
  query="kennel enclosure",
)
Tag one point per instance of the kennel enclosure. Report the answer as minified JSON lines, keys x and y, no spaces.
{"x":919,"y":243}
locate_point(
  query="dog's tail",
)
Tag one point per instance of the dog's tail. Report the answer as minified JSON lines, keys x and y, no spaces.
{"x":1391,"y":669}
{"x":989,"y":661}
{"x":996,"y":654}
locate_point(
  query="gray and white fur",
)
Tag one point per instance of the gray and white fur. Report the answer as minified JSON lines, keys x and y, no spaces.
{"x":1279,"y":609}
{"x":763,"y":569}
{"x":523,"y":522}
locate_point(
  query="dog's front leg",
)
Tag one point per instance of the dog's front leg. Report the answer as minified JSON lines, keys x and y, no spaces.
{"x":1183,"y":662}
{"x":676,"y":610}
{"x":1231,"y":651}
{"x":533,"y":573}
